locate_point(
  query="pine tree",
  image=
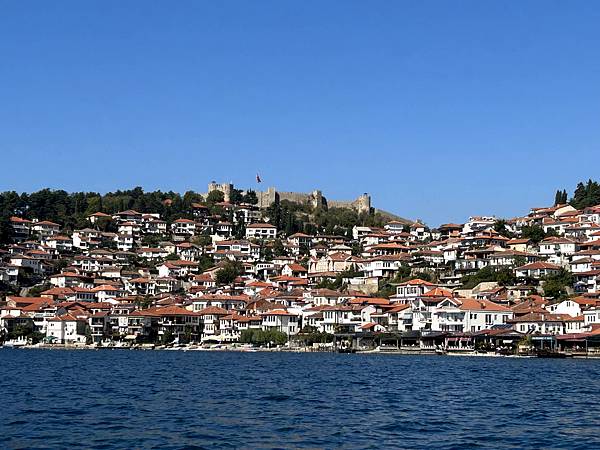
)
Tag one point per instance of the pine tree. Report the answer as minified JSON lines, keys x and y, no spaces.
{"x":557,"y":198}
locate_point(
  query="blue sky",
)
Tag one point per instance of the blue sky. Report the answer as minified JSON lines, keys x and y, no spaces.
{"x":439,"y":110}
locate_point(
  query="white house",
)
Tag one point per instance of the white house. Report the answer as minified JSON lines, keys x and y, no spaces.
{"x":67,"y":329}
{"x":261,"y":231}
{"x":281,"y":320}
{"x":537,"y":270}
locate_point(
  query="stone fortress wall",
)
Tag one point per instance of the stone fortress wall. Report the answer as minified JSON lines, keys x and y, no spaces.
{"x":314,"y":198}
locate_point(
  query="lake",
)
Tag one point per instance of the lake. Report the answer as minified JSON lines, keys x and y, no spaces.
{"x":119,"y":399}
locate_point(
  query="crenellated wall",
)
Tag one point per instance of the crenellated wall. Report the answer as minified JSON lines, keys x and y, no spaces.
{"x":361,"y":204}
{"x":314,"y":198}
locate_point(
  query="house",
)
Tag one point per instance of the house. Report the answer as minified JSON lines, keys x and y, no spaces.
{"x":236,"y":249}
{"x":178,"y":269}
{"x":26,"y":262}
{"x":335,"y":262}
{"x":325,"y":297}
{"x":210,"y":318}
{"x":178,"y":322}
{"x":591,"y":317}
{"x":409,"y":290}
{"x":383,"y":266}
{"x":280,"y":320}
{"x":264,"y":231}
{"x":424,"y":306}
{"x":399,"y":317}
{"x":294,"y":270}
{"x":124,"y":242}
{"x":132,"y":228}
{"x":477,"y":224}
{"x":128,"y":216}
{"x":188,"y":251}
{"x":537,"y":270}
{"x":152,"y":225}
{"x":142,"y":324}
{"x":97,"y":216}
{"x":183,"y":229}
{"x":448,"y":230}
{"x":341,"y":319}
{"x":557,"y":249}
{"x":419,"y":232}
{"x":45,"y":228}
{"x":152,"y":253}
{"x":21,"y":228}
{"x":520,"y":245}
{"x":59,"y":243}
{"x":540,"y":323}
{"x":67,"y":329}
{"x":299,"y":241}
{"x":569,"y":307}
{"x":483,"y":314}
{"x":223,"y":228}
{"x":393,"y":226}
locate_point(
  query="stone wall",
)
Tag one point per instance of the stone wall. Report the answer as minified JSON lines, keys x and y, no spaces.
{"x":361,"y":204}
{"x":314,"y":198}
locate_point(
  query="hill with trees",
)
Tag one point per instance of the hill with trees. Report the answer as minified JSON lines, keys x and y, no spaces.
{"x":71,"y":210}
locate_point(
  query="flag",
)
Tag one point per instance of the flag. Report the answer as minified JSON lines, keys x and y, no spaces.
{"x":258,"y":180}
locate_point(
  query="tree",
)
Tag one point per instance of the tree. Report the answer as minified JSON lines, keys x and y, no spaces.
{"x":236,"y":196}
{"x":560,"y":198}
{"x":205,"y":262}
{"x":35,"y":291}
{"x":88,"y":335}
{"x":230,"y":271}
{"x":357,"y":248}
{"x":501,"y":229}
{"x":388,"y":288}
{"x":167,"y":337}
{"x":263,"y":337}
{"x":215,"y":197}
{"x":503,"y":276}
{"x":278,"y":248}
{"x":150,"y":240}
{"x":533,"y":232}
{"x":250,"y":197}
{"x":202,"y":240}
{"x":6,"y":230}
{"x":586,"y":195}
{"x":555,"y":286}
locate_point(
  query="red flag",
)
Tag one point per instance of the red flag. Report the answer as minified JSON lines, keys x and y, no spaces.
{"x":258,"y":180}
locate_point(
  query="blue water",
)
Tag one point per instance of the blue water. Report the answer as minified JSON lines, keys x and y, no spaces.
{"x":170,"y":400}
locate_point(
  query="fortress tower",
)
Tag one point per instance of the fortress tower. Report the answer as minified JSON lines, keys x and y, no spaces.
{"x":363,"y":203}
{"x":225,"y":188}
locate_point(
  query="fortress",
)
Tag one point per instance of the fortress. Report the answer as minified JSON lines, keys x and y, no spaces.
{"x":314,"y":198}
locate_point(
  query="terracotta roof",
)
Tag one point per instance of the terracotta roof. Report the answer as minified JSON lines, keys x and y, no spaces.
{"x":416,"y":282}
{"x":261,"y":225}
{"x":213,"y":311}
{"x":539,"y":265}
{"x":471,"y":304}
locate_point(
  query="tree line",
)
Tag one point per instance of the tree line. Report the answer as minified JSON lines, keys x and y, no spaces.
{"x":71,"y":210}
{"x":586,"y":194}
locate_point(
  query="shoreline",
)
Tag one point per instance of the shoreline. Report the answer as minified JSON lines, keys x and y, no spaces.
{"x":185,"y":349}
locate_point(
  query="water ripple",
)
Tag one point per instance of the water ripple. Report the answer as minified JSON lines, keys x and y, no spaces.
{"x":173,"y":400}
